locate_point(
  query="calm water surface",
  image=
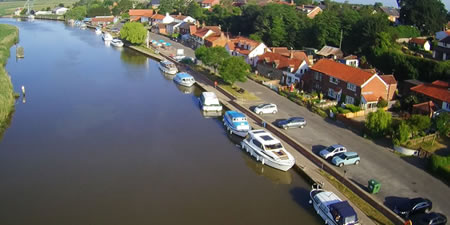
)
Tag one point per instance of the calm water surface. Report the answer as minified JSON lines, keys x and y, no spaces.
{"x":105,"y":138}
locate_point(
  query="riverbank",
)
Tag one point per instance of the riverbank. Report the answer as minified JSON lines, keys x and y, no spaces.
{"x":9,"y":35}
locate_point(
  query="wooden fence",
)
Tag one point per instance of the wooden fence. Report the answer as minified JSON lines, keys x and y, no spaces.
{"x":422,"y":139}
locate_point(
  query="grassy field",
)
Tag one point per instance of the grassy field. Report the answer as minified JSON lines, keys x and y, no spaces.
{"x":8,"y":36}
{"x":8,"y":8}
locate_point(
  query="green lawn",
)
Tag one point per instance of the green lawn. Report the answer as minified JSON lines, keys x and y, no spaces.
{"x":8,"y":8}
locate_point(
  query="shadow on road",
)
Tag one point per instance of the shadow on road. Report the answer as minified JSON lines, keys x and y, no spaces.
{"x":420,"y":163}
{"x":392,"y":201}
{"x":317,"y":148}
{"x":362,"y":186}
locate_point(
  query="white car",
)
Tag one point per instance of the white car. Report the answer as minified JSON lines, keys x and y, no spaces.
{"x":332,"y":151}
{"x":266,"y":108}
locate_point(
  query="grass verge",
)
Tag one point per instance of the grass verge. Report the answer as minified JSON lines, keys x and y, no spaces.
{"x":367,"y":209}
{"x":241,"y":96}
{"x":258,"y":78}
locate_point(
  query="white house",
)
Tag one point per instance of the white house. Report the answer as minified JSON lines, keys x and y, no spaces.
{"x":249,"y":49}
{"x":167,"y":19}
{"x":182,"y":18}
{"x":38,"y":13}
{"x":60,"y":10}
{"x":18,"y":11}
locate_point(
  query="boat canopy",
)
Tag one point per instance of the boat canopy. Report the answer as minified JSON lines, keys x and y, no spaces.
{"x":183,"y":75}
{"x":343,"y":213}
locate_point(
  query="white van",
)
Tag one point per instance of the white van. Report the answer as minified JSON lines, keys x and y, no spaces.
{"x":210,"y":102}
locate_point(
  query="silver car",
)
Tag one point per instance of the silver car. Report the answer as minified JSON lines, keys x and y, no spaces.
{"x":332,"y":151}
{"x":266,"y":108}
{"x":292,"y":122}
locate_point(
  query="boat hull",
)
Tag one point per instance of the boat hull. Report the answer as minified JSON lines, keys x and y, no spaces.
{"x":259,"y":156}
{"x":168,"y":71}
{"x":232,"y":130}
{"x":186,"y":84}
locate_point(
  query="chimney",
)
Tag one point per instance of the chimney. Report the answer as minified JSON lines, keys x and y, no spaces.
{"x":167,"y":14}
{"x":220,"y":27}
{"x":203,"y":24}
{"x":291,"y":55}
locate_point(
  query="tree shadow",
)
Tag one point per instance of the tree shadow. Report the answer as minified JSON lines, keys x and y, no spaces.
{"x":392,"y":201}
{"x":420,"y":163}
{"x":317,"y":148}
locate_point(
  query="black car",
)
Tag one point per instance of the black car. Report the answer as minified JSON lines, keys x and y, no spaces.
{"x":430,"y":219}
{"x":292,"y":122}
{"x":413,"y":206}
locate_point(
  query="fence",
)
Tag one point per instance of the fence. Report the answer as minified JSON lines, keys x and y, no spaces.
{"x":422,"y":139}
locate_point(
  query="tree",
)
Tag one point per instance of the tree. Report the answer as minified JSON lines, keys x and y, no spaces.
{"x":98,"y":10}
{"x":277,"y":33}
{"x":234,"y":69}
{"x":378,"y":122}
{"x":166,"y":6}
{"x":443,"y":123}
{"x":124,"y":6}
{"x":200,"y":52}
{"x":428,"y":16}
{"x":215,"y":56}
{"x":61,"y":4}
{"x":194,"y":10}
{"x":133,"y":32}
{"x":76,"y":13}
{"x":401,"y":134}
{"x":382,"y":103}
{"x":419,"y":123}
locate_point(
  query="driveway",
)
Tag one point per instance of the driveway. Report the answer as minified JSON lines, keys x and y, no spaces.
{"x":175,"y":45}
{"x":398,"y":178}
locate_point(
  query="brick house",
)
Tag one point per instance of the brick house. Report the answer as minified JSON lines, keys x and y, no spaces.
{"x":142,"y":15}
{"x":442,"y":51}
{"x":336,"y":80}
{"x":198,"y":38}
{"x":392,"y":85}
{"x":438,"y":92}
{"x":311,"y":11}
{"x":249,"y":49}
{"x":216,"y":40}
{"x":103,"y":20}
{"x":421,"y":43}
{"x":207,"y":4}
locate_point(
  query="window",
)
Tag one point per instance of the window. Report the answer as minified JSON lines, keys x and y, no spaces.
{"x":331,"y":93}
{"x":318,"y":76}
{"x":317,"y":86}
{"x":257,"y":143}
{"x":351,"y":86}
{"x":334,"y":80}
{"x":349,"y":100}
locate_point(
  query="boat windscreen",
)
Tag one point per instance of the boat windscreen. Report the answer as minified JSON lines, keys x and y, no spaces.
{"x":273,"y":146}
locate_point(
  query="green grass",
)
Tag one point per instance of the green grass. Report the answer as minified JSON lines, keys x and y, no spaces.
{"x":367,"y":209}
{"x":8,"y":36}
{"x":241,"y":96}
{"x":258,"y":78}
{"x":8,"y":8}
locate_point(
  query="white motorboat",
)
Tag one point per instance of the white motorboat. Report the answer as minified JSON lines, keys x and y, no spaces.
{"x":268,"y":150}
{"x":210,"y":102}
{"x":83,"y":26}
{"x":168,"y":67}
{"x":331,"y":208}
{"x":116,"y":42}
{"x":98,"y":31}
{"x":236,"y":123}
{"x":184,"y":79}
{"x":107,"y":36}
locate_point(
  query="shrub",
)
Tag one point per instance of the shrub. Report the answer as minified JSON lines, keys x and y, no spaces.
{"x":333,"y":109}
{"x":382,"y":103}
{"x":419,"y":124}
{"x":378,"y":122}
{"x":187,"y":61}
{"x":342,"y":110}
{"x":397,"y":106}
{"x":443,"y":123}
{"x":440,"y":165}
{"x":319,"y":111}
{"x":353,"y":108}
{"x":401,"y":133}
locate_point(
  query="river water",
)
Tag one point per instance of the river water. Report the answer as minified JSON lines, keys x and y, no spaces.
{"x":104,"y":138}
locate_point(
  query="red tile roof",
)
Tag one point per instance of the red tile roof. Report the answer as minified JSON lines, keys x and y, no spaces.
{"x":371,"y":97}
{"x":425,"y":107}
{"x":342,"y":72}
{"x":388,"y":79}
{"x":437,"y":90}
{"x":419,"y":41}
{"x":298,"y":54}
{"x":141,"y":12}
{"x":282,"y":62}
{"x":208,"y":1}
{"x":203,"y":31}
{"x":158,"y":17}
{"x":237,"y":44}
{"x":103,"y":19}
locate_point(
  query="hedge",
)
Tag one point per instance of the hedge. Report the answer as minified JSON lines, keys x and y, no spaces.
{"x":440,"y":165}
{"x":353,"y":108}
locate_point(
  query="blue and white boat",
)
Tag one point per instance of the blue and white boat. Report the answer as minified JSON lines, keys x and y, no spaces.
{"x":184,"y":79}
{"x":236,"y":123}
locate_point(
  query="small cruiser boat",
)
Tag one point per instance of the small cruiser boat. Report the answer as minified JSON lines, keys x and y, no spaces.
{"x":266,"y":148}
{"x":116,"y":42}
{"x":236,"y":123}
{"x":331,"y":208}
{"x":168,"y":67}
{"x":98,"y":31}
{"x":184,"y":79}
{"x":210,"y":102}
{"x":107,"y":36}
{"x":83,"y":26}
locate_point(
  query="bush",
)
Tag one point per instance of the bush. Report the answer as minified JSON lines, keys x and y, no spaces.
{"x":419,"y":124}
{"x":397,"y":106}
{"x":443,"y":123}
{"x":333,"y":109}
{"x":353,"y":108}
{"x":342,"y":110}
{"x":319,"y":111}
{"x":382,"y":103}
{"x":401,"y":133}
{"x":187,"y":61}
{"x":440,"y":165}
{"x":378,"y":123}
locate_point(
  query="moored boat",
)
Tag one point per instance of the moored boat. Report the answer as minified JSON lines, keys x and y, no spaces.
{"x":168,"y":67}
{"x":116,"y":42}
{"x":210,"y":102}
{"x":236,"y":123}
{"x":184,"y":79}
{"x":98,"y":31}
{"x":107,"y":36}
{"x":267,"y":149}
{"x":331,"y":208}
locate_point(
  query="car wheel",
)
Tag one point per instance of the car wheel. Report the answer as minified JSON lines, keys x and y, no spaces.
{"x":285,"y":127}
{"x":427,"y":210}
{"x":341,"y":164}
{"x":274,"y":111}
{"x":260,"y":113}
{"x":302,"y":126}
{"x":357,"y":162}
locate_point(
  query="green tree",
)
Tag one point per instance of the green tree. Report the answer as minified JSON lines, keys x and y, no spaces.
{"x":419,"y":123}
{"x":76,"y":13}
{"x":255,"y":37}
{"x":215,"y":56}
{"x":61,"y":4}
{"x":443,"y":123}
{"x":166,"y":6}
{"x":195,"y":11}
{"x":200,"y":52}
{"x":98,"y":10}
{"x":378,"y":123}
{"x":133,"y":32}
{"x":428,"y":16}
{"x":401,"y":133}
{"x":234,"y":69}
{"x":277,"y":33}
{"x":124,"y":5}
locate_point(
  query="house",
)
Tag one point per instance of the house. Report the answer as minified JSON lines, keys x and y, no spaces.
{"x":160,"y":28}
{"x":182,"y":18}
{"x":442,"y":51}
{"x":287,"y":68}
{"x":420,"y":43}
{"x":103,"y":20}
{"x":142,"y":15}
{"x":282,"y":2}
{"x":17,"y":11}
{"x":438,"y":92}
{"x":330,"y":52}
{"x":393,"y":13}
{"x":40,"y":13}
{"x":442,"y":34}
{"x":173,"y":28}
{"x":187,"y":28}
{"x":346,"y":83}
{"x":216,"y":40}
{"x":158,"y":18}
{"x":155,"y":4}
{"x":207,"y":4}
{"x":391,"y":82}
{"x":198,"y":38}
{"x":425,"y":108}
{"x":59,"y":10}
{"x":310,"y":10}
{"x":249,"y":49}
{"x":350,"y":60}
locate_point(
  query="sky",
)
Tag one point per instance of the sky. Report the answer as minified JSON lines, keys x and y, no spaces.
{"x":388,"y":2}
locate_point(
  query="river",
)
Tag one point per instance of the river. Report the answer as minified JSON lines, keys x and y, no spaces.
{"x":104,"y":138}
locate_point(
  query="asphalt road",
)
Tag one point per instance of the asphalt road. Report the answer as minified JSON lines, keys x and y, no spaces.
{"x":399,"y":179}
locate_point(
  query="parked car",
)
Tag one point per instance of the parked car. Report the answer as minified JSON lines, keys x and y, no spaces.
{"x":413,"y":206}
{"x":332,"y":150}
{"x":346,"y":158}
{"x":292,"y":122}
{"x":266,"y":108}
{"x":430,"y":219}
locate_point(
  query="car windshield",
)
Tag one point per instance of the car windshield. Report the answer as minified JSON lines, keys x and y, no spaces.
{"x":330,"y":149}
{"x":261,"y":105}
{"x":342,"y":155}
{"x":273,"y":146}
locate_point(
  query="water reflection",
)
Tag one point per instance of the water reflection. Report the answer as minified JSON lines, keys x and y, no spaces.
{"x":168,"y":76}
{"x":133,"y":57}
{"x":211,"y":114}
{"x":186,"y":90}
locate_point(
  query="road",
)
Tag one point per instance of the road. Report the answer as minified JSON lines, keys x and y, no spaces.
{"x":399,"y":179}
